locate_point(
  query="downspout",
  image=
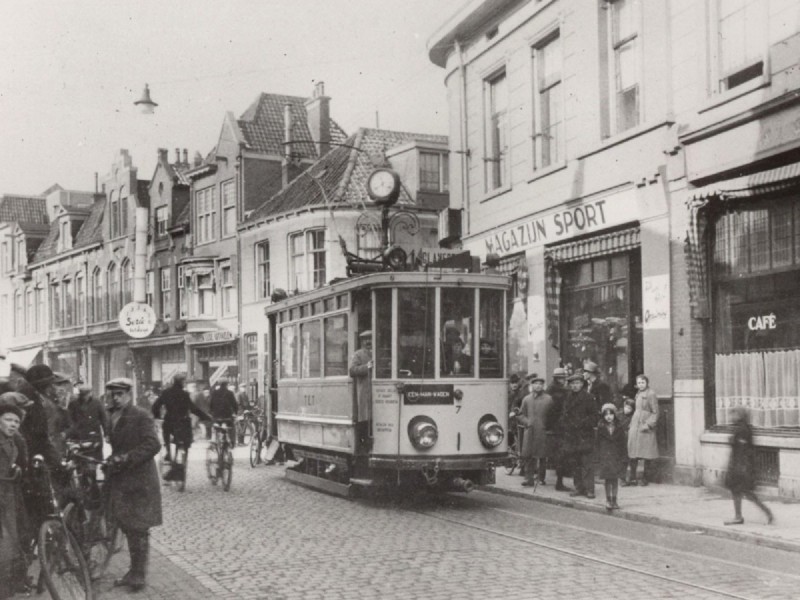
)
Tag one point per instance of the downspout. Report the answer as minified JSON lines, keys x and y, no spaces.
{"x":464,"y":151}
{"x":140,"y":255}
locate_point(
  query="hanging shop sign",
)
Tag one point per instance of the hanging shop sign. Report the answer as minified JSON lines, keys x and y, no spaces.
{"x":762,"y":322}
{"x":137,"y":319}
{"x":209,"y":337}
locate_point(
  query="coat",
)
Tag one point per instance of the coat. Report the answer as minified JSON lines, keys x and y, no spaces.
{"x":35,"y":429}
{"x":741,"y":467}
{"x":222,"y":404}
{"x":13,"y":522}
{"x":177,"y":404}
{"x":576,"y":424}
{"x":610,"y":453}
{"x":642,"y":442}
{"x":601,"y":392}
{"x":135,"y":489}
{"x":88,"y":419}
{"x":363,"y":382}
{"x":533,"y":415}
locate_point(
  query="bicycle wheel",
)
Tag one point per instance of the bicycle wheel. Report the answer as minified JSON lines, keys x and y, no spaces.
{"x":65,"y":572}
{"x":211,"y":464}
{"x":255,"y":449}
{"x":226,"y":469}
{"x":91,"y":530}
{"x":513,"y":459}
{"x":181,"y":456}
{"x":246,"y":431}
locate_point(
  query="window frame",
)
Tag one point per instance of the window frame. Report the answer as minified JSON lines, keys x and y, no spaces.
{"x":165,"y":292}
{"x":228,"y":196}
{"x":496,"y":148}
{"x":442,"y":183}
{"x":545,"y":88}
{"x":263,"y":273}
{"x":205,"y":215}
{"x":162,"y":219}
{"x":631,"y":41}
{"x":302,"y":260}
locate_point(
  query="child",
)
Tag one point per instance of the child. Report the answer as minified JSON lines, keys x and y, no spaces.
{"x":740,"y":478}
{"x":610,"y":452}
{"x":628,"y":405}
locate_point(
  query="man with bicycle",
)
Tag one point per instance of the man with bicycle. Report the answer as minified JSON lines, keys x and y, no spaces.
{"x":177,"y":426}
{"x":223,"y":407}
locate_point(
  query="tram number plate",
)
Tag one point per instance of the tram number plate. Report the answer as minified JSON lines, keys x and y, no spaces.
{"x":439,"y":393}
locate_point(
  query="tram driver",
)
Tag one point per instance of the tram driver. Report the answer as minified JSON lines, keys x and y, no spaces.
{"x":361,"y":371}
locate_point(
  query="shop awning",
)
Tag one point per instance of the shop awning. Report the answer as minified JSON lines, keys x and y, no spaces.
{"x":599,"y":245}
{"x":23,"y":358}
{"x":755,"y":184}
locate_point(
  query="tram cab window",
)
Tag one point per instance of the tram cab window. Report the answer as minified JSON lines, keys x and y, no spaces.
{"x":288,"y":352}
{"x":491,"y":349}
{"x":310,"y":345}
{"x":415,"y":332}
{"x":457,"y":343}
{"x":383,"y":334}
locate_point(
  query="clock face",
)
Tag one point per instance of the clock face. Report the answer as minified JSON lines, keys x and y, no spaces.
{"x":382,"y":184}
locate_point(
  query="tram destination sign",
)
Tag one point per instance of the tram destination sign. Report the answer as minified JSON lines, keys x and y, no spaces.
{"x":428,"y":393}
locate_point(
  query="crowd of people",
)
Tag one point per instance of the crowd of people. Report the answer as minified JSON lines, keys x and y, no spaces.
{"x":582,"y":430}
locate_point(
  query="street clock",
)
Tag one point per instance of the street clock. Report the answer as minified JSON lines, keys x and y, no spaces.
{"x":383,"y":186}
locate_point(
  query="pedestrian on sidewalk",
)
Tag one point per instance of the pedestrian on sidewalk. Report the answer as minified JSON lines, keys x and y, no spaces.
{"x":642,"y":442}
{"x":740,"y":478}
{"x":576,"y":427}
{"x":135,"y":491}
{"x":609,"y":452}
{"x":557,"y":391}
{"x":533,"y":414}
{"x":624,"y":417}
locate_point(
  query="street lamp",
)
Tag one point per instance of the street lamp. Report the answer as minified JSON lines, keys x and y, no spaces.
{"x":145,"y":103}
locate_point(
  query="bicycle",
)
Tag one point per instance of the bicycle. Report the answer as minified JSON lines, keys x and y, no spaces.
{"x":258,"y":441}
{"x":514,"y":460}
{"x":63,"y":567}
{"x":219,"y":456}
{"x":247,"y":424}
{"x":87,"y":513}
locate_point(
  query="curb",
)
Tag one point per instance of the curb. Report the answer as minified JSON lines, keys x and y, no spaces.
{"x":730,"y":534}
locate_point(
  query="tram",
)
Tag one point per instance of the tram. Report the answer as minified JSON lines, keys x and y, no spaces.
{"x":430,"y":412}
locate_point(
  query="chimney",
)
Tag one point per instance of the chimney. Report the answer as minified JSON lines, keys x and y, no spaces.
{"x":177,"y":156}
{"x":185,"y":157}
{"x":162,"y":155}
{"x":318,"y":108}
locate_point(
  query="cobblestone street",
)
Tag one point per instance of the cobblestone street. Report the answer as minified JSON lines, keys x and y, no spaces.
{"x":269,"y":538}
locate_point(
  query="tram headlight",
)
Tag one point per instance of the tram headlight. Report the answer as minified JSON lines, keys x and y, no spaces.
{"x":490,"y":432}
{"x":423,"y":433}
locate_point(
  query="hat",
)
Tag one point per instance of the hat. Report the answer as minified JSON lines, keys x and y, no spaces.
{"x":15,"y":398}
{"x":39,"y":375}
{"x":10,"y":408}
{"x":120,"y":383}
{"x":367,"y":333}
{"x":559,"y":372}
{"x":575,"y":377}
{"x":608,"y":406}
{"x":591,"y":367}
{"x":534,"y":378}
{"x":514,"y":378}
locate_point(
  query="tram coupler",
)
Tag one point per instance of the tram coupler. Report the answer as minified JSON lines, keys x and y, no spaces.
{"x":460,"y":484}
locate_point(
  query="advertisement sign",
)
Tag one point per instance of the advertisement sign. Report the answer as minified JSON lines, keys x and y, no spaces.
{"x":428,"y":394}
{"x":655,"y":301}
{"x":137,"y":319}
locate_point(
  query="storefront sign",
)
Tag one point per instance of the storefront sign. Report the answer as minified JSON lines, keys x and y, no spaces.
{"x":563,"y":224}
{"x":762,"y":322}
{"x":655,"y":301}
{"x":210,"y":337}
{"x":428,"y":394}
{"x":137,"y":319}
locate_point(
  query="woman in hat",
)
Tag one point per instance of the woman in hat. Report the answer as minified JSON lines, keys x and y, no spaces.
{"x":13,"y":459}
{"x":642,"y":442}
{"x":609,"y":452}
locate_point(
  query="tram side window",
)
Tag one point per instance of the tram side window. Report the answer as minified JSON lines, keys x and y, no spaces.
{"x":310,"y":345}
{"x":336,"y":354}
{"x":415,"y":332}
{"x":491,"y":346}
{"x":288,"y":352}
{"x":458,"y":313}
{"x":383,"y":334}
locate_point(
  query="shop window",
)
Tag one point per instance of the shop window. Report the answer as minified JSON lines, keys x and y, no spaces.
{"x":457,"y":339}
{"x":601,"y":320}
{"x":336,"y":351}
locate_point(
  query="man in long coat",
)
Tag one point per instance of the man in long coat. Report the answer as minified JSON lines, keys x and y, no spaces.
{"x":133,"y":477}
{"x":533,"y":416}
{"x":597,"y":388}
{"x":361,"y":371}
{"x":557,"y":390}
{"x":576,"y":426}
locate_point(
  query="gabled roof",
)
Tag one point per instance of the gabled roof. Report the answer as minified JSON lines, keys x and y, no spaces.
{"x":90,"y":232}
{"x":342,"y":173}
{"x":263,"y":128}
{"x":29,"y":209}
{"x":33,"y":229}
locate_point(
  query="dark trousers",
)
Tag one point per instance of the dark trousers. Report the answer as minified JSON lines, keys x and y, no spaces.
{"x":750,"y":495}
{"x":166,"y":432}
{"x":647,"y":474}
{"x":139,"y":549}
{"x":534,"y":468}
{"x":583,"y":477}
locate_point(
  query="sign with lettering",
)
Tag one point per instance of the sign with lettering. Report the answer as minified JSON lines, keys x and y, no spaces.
{"x":762,"y":322}
{"x":655,"y":302}
{"x":428,"y":393}
{"x":210,"y":336}
{"x":560,"y":225}
{"x":137,"y":319}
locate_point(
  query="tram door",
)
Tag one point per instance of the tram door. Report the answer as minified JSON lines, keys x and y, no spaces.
{"x":361,"y":322}
{"x":272,"y":377}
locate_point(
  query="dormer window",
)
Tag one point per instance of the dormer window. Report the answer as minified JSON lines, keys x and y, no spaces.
{"x":64,"y":241}
{"x":434,"y":172}
{"x":21,"y":254}
{"x":161,"y":220}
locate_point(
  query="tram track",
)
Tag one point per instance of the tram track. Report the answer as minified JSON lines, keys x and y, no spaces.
{"x":528,"y":540}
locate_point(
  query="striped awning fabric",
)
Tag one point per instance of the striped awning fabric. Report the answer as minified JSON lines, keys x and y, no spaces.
{"x":755,"y":184}
{"x":610,"y":243}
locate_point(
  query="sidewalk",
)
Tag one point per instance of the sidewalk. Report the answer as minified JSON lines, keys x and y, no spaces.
{"x":696,"y":509}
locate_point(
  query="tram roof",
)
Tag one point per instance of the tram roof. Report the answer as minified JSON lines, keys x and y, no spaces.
{"x":395,"y":279}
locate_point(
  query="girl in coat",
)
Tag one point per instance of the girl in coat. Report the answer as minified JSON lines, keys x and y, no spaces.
{"x":609,"y":452}
{"x":642,"y":442}
{"x":740,"y":478}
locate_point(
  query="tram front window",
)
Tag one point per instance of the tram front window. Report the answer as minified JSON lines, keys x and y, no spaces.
{"x":415,"y":332}
{"x":491,"y":348}
{"x":458,"y":344}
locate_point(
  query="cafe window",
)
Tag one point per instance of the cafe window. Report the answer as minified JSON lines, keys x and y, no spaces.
{"x":756,"y":315}
{"x":601,"y":322}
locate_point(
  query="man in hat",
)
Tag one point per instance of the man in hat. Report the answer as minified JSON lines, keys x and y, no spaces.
{"x":88,"y":419}
{"x":557,"y":390}
{"x":41,"y":424}
{"x":597,"y":388}
{"x":222,"y":406}
{"x":361,"y":365}
{"x":135,"y":492}
{"x":576,"y":427}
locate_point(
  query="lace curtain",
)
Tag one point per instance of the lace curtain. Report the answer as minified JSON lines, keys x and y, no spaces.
{"x":763,"y":382}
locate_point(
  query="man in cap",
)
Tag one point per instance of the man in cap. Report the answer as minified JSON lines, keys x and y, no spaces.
{"x":361,"y":365}
{"x":597,"y":388}
{"x":222,"y":406}
{"x":177,"y":405}
{"x":533,"y":416}
{"x":557,"y":390}
{"x":576,"y":427}
{"x":135,"y":493}
{"x":41,"y":425}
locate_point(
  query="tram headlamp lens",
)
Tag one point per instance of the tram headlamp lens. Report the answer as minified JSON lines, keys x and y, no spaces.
{"x":491,"y":433}
{"x":423,"y":433}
